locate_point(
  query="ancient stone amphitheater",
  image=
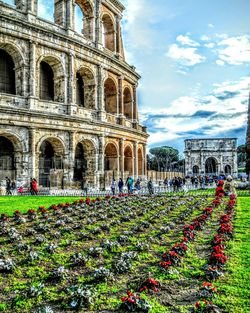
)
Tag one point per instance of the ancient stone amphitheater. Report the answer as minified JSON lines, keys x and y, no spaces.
{"x":68,"y":105}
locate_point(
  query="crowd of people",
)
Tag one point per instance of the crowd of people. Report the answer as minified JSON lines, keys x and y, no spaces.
{"x":11,"y":187}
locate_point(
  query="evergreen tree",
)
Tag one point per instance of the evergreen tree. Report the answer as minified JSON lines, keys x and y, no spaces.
{"x":248,"y":140}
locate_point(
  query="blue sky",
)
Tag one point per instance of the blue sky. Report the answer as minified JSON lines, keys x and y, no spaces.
{"x":194,"y":59}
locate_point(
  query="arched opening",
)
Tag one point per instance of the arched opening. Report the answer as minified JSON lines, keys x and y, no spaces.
{"x":140,"y":163}
{"x":228,"y":170}
{"x":85,"y":88}
{"x":7,"y":159}
{"x":110,"y":96}
{"x":51,"y":164}
{"x":46,"y":82}
{"x":128,"y":103}
{"x":79,"y":90}
{"x":46,"y":10}
{"x":211,"y":167}
{"x":7,"y":73}
{"x":196,"y":170}
{"x":128,"y":160}
{"x":84,"y":18}
{"x":111,"y":158}
{"x":80,"y":163}
{"x":108,"y":33}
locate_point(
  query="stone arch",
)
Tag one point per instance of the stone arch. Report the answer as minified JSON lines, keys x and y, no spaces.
{"x":85,"y":164}
{"x":51,"y":151}
{"x":110,"y":96}
{"x":58,"y":73}
{"x":108,"y":32}
{"x":87,"y":18}
{"x":111,"y":157}
{"x":211,"y":166}
{"x":85,"y":88}
{"x":19,"y":65}
{"x":11,"y":153}
{"x":196,"y":170}
{"x":140,"y":161}
{"x":128,"y":159}
{"x":128,"y":103}
{"x":228,"y":170}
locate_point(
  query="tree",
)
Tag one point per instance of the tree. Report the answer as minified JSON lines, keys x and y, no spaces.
{"x":163,"y":157}
{"x":241,"y":156}
{"x":248,"y":141}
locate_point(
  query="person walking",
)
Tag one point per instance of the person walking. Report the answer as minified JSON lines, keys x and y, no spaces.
{"x":113,"y":186}
{"x":8,"y":186}
{"x":150,"y":187}
{"x":31,"y":187}
{"x":120,"y":185}
{"x":35,"y":186}
{"x":138,"y":184}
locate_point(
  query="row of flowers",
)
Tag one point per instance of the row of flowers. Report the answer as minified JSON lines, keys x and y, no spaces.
{"x":133,"y":301}
{"x":217,"y":260}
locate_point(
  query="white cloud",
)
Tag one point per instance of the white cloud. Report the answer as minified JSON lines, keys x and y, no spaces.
{"x":236,"y":51}
{"x":227,"y":103}
{"x":187,"y":41}
{"x":210,"y":25}
{"x":205,"y":38}
{"x":209,"y":45}
{"x":185,"y":56}
{"x":45,"y":10}
{"x":220,"y":62}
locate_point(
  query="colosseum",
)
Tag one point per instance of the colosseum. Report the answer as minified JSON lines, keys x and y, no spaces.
{"x":68,"y":99}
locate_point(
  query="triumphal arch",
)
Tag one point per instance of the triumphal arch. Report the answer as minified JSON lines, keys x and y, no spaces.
{"x":68,"y":99}
{"x":213,"y":156}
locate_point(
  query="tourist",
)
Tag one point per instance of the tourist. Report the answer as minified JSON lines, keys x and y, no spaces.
{"x":130,"y":182}
{"x":150,"y":187}
{"x":20,"y":190}
{"x":138,"y":185}
{"x":113,"y":186}
{"x":120,"y":185}
{"x":31,"y":187}
{"x":13,"y":186}
{"x":229,"y":186}
{"x":35,"y":186}
{"x":8,"y":186}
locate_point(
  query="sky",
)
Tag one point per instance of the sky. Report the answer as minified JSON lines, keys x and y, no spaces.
{"x":194,"y":60}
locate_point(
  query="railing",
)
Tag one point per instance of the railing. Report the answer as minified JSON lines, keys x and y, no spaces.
{"x":51,"y":107}
{"x":13,"y":101}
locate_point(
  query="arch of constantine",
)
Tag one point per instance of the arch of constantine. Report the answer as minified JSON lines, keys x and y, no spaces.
{"x":210,"y":157}
{"x":68,"y":100}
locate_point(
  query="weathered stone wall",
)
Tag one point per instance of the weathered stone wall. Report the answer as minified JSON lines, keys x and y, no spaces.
{"x":27,"y":121}
{"x":222,"y":153}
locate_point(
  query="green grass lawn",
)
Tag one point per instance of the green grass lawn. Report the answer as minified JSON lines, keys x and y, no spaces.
{"x":235,"y":286}
{"x":9,"y":204}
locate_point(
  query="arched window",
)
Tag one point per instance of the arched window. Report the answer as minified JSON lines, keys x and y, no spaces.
{"x":128,"y":104}
{"x":128,"y":160}
{"x":46,"y":82}
{"x":7,"y":73}
{"x":7,"y":166}
{"x":196,"y":170}
{"x":79,"y":90}
{"x":110,"y":94}
{"x":111,"y":157}
{"x":84,"y":18}
{"x":46,"y":9}
{"x":108,"y":33}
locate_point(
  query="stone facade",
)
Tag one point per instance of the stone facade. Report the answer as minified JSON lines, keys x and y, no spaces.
{"x":69,"y":114}
{"x":211,"y":156}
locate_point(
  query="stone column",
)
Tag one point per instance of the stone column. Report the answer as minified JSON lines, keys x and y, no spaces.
{"x":60,"y":12}
{"x":120,"y":100}
{"x":136,"y":159}
{"x":31,"y":10}
{"x":72,"y":107}
{"x":98,"y":26}
{"x":32,"y":76}
{"x":70,"y":16}
{"x":121,"y":158}
{"x":71,"y":157}
{"x":135,"y":117}
{"x":145,"y":160}
{"x":32,"y":152}
{"x":101,"y":155}
{"x":202,"y":166}
{"x":118,"y":35}
{"x":100,"y":93}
